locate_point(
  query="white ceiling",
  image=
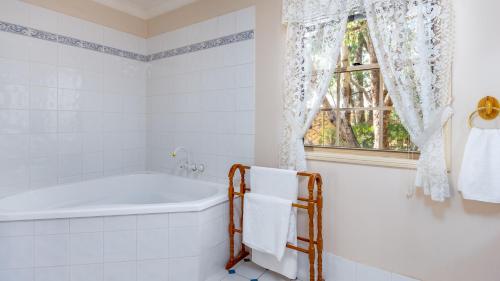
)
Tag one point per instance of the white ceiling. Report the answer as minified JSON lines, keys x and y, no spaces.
{"x":145,"y":9}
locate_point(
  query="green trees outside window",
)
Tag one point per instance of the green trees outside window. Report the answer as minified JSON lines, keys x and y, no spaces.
{"x":357,"y":110}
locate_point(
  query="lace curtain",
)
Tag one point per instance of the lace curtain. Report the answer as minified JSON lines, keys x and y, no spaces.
{"x":412,"y":40}
{"x":315,"y":30}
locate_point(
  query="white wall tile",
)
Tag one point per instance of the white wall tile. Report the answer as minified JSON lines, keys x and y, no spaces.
{"x":16,"y":228}
{"x":86,"y":225}
{"x":70,"y":166}
{"x":44,"y":52}
{"x":26,"y":274}
{"x":58,"y":273}
{"x":17,"y":252}
{"x":14,"y":121}
{"x":120,"y":246}
{"x":184,"y":269}
{"x":14,"y":146}
{"x":87,"y":272}
{"x":184,"y":241}
{"x":153,"y":221}
{"x":43,"y":98}
{"x":43,"y":145}
{"x":14,"y":72}
{"x":14,"y":96}
{"x":43,"y":75}
{"x":152,"y":270}
{"x":14,"y":46}
{"x":43,"y":121}
{"x":57,"y":226}
{"x":52,"y":250}
{"x":86,"y":248}
{"x":123,"y":271}
{"x":120,"y":223}
{"x":153,"y":244}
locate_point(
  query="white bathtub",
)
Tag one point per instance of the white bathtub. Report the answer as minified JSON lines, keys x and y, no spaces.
{"x":128,"y":228}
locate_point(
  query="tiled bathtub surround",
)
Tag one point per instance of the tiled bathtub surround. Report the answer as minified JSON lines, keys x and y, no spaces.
{"x":203,"y":100}
{"x":69,"y":113}
{"x":66,"y":113}
{"x":156,"y":247}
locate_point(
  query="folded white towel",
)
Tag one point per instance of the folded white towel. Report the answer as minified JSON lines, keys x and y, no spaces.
{"x":266,"y":223}
{"x":283,"y":184}
{"x":479,"y":176}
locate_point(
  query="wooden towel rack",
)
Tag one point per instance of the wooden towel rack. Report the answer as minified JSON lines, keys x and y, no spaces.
{"x":312,"y":203}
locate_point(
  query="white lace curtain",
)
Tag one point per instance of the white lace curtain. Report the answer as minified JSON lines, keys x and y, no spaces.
{"x":315,"y":30}
{"x":412,"y":40}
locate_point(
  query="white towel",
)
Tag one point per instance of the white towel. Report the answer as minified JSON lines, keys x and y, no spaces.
{"x":479,"y":176}
{"x":283,"y":184}
{"x":266,"y":223}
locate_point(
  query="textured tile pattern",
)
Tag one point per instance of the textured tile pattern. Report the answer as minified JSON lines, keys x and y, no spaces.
{"x":203,"y":100}
{"x":79,"y":43}
{"x":115,"y":248}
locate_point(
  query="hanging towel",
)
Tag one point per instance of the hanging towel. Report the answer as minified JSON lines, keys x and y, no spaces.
{"x":479,"y":176}
{"x":266,"y":223}
{"x":281,"y":184}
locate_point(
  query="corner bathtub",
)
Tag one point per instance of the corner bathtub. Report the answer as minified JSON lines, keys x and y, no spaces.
{"x":141,"y":227}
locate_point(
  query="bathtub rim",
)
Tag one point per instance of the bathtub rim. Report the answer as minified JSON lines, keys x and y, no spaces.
{"x":119,"y":209}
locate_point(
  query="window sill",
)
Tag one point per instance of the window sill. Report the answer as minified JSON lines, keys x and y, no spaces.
{"x":367,"y":158}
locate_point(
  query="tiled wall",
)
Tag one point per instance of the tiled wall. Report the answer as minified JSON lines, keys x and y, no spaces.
{"x":67,"y":113}
{"x":72,"y":107}
{"x":203,"y":100}
{"x":190,"y":246}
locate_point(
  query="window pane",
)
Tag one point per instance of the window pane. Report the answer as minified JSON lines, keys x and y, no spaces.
{"x":357,"y":47}
{"x":396,"y":136}
{"x":356,"y":129}
{"x":386,"y":100}
{"x":322,"y":131}
{"x":330,"y":101}
{"x":360,"y":89}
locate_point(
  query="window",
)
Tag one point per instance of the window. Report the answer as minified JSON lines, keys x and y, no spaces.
{"x":357,"y":111}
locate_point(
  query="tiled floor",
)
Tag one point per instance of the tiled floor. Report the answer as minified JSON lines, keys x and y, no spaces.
{"x":248,"y":271}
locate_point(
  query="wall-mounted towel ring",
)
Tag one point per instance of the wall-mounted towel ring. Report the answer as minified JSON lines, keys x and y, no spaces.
{"x":488,"y":108}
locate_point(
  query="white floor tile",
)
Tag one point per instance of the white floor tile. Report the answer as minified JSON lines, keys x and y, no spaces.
{"x":249,"y":270}
{"x":271,"y":276}
{"x":234,"y":277}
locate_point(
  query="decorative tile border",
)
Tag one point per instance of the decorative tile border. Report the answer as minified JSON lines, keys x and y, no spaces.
{"x":70,"y":41}
{"x":225,"y":40}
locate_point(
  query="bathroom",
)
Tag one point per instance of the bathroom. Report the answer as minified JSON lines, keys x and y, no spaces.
{"x":120,"y":122}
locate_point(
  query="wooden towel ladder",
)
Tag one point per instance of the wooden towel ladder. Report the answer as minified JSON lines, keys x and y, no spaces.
{"x":311,"y":204}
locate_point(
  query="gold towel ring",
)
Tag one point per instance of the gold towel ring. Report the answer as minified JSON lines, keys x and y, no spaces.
{"x":488,"y":108}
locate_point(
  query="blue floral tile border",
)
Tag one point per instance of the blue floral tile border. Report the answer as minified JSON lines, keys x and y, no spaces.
{"x":70,"y":41}
{"x":233,"y":38}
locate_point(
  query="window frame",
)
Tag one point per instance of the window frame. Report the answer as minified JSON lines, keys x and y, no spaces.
{"x":364,"y":156}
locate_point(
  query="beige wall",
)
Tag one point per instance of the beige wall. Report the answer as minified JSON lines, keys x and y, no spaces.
{"x":368,"y":218}
{"x":96,"y":13}
{"x":193,"y":13}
